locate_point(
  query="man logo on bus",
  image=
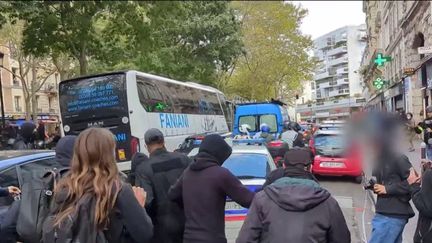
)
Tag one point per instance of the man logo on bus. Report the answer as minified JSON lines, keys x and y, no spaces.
{"x":173,"y":120}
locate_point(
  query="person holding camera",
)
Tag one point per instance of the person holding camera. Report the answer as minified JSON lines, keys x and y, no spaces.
{"x":421,"y":193}
{"x":392,"y":207}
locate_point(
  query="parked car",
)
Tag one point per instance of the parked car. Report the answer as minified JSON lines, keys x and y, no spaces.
{"x":335,"y":155}
{"x":16,"y":167}
{"x":250,"y":164}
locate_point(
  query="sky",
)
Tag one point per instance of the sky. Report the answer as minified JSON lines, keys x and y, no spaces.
{"x":326,"y":16}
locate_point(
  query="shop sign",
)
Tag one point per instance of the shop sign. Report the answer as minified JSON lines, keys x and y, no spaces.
{"x":425,"y":50}
{"x":408,"y":71}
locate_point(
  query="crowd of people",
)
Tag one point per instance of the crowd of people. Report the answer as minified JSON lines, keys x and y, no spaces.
{"x":169,"y":198}
{"x":28,"y":136}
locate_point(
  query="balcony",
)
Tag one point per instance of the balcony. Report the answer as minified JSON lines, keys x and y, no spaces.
{"x":339,"y":92}
{"x":321,"y":76}
{"x":338,"y":50}
{"x":342,"y":70}
{"x":341,"y":81}
{"x":338,"y":61}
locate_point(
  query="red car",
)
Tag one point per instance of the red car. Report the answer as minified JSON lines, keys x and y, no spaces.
{"x":334,"y":155}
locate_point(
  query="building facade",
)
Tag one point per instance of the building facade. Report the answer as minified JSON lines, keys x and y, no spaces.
{"x":13,"y":92}
{"x":397,"y":29}
{"x":337,"y":83}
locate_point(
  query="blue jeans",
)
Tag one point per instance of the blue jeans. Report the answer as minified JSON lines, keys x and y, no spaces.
{"x":387,"y":229}
{"x":429,"y":152}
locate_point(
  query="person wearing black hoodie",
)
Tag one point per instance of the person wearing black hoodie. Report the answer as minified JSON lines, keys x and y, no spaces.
{"x":421,"y":193}
{"x":203,"y":189}
{"x":64,"y":150}
{"x":294,"y":209}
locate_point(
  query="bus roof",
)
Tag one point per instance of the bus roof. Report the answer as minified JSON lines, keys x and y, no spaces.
{"x":187,"y":83}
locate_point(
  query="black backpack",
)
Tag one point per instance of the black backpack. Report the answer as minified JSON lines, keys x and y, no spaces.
{"x":37,"y":197}
{"x":79,"y":227}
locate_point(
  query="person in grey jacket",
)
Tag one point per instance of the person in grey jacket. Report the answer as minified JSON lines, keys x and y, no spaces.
{"x":294,"y":209}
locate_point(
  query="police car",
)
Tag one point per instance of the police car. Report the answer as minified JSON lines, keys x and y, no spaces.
{"x":250,"y":162}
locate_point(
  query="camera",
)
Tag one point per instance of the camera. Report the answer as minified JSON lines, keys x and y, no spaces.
{"x":370,"y":184}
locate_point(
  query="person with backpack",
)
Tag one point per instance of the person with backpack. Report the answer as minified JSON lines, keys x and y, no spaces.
{"x":91,"y":203}
{"x":291,"y":135}
{"x":203,"y":190}
{"x":421,"y":194}
{"x":137,"y":159}
{"x":294,"y":208}
{"x":156,"y":175}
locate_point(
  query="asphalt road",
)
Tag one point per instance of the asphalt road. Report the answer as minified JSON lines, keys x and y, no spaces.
{"x":357,"y":206}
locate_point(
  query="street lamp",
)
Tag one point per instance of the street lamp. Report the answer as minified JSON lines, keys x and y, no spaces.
{"x":1,"y":92}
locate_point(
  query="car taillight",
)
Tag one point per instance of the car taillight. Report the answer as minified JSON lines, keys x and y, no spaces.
{"x":134,"y":144}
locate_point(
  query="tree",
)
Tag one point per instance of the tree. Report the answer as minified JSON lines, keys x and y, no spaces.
{"x":179,"y":39}
{"x":276,"y":59}
{"x":32,"y":72}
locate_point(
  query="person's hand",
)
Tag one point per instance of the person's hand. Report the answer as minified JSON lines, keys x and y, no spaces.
{"x":413,"y":177}
{"x":380,"y":189}
{"x":428,"y":129}
{"x":13,"y":191}
{"x":140,"y":195}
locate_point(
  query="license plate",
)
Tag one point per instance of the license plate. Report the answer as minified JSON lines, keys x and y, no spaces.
{"x":332,"y":165}
{"x":233,"y":206}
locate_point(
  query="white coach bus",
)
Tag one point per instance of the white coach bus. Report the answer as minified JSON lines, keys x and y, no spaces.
{"x":131,"y":102}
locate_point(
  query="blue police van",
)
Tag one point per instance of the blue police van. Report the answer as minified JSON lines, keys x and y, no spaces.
{"x":273,"y":113}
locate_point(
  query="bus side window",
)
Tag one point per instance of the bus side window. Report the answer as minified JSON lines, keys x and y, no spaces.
{"x":150,"y":96}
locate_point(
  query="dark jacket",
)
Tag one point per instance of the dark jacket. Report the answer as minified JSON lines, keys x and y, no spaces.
{"x":4,"y":192}
{"x":204,"y":188}
{"x":422,"y":199}
{"x":128,"y":221}
{"x":156,"y":176}
{"x":137,"y":159}
{"x":64,"y":150}
{"x":392,"y":172}
{"x":294,"y":210}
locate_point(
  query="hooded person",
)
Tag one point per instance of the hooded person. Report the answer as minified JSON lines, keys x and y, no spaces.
{"x":296,"y":164}
{"x":294,"y":208}
{"x":64,"y":150}
{"x":203,"y":189}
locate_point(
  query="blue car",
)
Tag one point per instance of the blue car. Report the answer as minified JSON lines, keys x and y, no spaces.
{"x":18,"y":166}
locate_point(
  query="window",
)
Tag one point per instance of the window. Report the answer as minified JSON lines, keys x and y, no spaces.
{"x":14,"y":77}
{"x":249,"y":120}
{"x":247,"y":166}
{"x":150,"y":96}
{"x":17,"y":103}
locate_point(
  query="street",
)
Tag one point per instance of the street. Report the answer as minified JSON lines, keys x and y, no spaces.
{"x":356,"y":204}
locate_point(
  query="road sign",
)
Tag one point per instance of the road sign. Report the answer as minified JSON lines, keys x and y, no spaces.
{"x":425,"y":50}
{"x":380,"y":59}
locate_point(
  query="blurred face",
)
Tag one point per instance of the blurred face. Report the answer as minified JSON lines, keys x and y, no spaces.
{"x":408,"y":116}
{"x":429,"y":114}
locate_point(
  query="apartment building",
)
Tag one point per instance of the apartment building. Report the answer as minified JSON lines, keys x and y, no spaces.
{"x":13,"y":92}
{"x":397,"y":29}
{"x":337,"y":84}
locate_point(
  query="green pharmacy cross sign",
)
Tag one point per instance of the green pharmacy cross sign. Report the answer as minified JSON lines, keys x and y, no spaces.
{"x":379,"y":83}
{"x":160,"y":106}
{"x":380,"y":59}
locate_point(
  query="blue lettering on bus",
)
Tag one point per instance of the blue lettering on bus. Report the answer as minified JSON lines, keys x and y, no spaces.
{"x":120,"y":137}
{"x":173,"y":120}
